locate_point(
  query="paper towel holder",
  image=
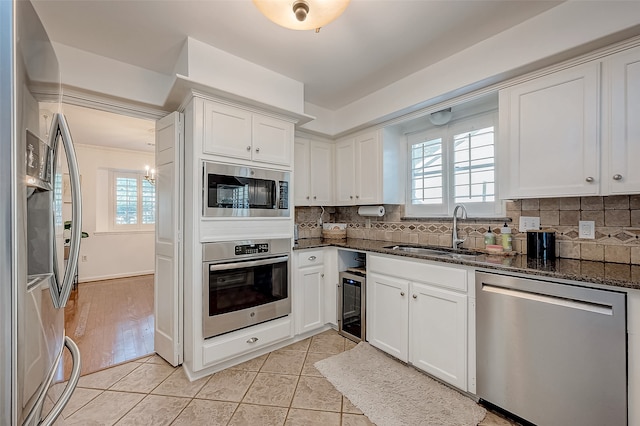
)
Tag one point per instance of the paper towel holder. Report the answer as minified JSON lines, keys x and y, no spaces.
{"x":371,"y":211}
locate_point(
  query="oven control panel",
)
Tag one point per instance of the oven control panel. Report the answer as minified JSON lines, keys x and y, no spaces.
{"x":252,"y":249}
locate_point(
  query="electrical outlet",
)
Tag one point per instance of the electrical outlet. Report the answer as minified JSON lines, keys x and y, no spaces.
{"x":528,"y":223}
{"x":84,"y":257}
{"x":587,"y":229}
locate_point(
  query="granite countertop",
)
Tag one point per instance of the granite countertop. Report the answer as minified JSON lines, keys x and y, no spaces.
{"x":606,"y":273}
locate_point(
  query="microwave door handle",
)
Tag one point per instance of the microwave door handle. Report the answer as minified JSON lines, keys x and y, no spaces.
{"x":76,"y":210}
{"x":247,"y":264}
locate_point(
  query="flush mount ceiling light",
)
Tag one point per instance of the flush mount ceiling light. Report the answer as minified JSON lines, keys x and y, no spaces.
{"x":301,"y":14}
{"x":441,"y":117}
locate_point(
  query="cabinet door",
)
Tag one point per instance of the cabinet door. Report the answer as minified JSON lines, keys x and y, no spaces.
{"x":438,"y":333}
{"x":321,"y":177}
{"x":272,"y":140}
{"x":227,"y":131}
{"x":301,"y":183}
{"x":310,"y":287}
{"x":387,"y":315}
{"x":623,"y":174}
{"x":345,"y":184}
{"x":549,"y":132}
{"x":368,"y":173}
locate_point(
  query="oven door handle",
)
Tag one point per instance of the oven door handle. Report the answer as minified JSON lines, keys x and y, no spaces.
{"x":248,"y":263}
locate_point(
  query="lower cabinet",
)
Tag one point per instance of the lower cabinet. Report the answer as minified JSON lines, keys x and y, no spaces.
{"x":309,"y":291}
{"x":421,"y":316}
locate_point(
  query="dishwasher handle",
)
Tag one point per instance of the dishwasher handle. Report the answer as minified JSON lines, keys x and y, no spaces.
{"x":597,"y":308}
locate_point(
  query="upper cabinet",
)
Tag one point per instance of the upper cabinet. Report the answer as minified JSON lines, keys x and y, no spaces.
{"x":367,"y":170}
{"x":313,"y":178}
{"x":234,"y":132}
{"x":621,"y":174}
{"x":573,"y":132}
{"x":549,"y":135}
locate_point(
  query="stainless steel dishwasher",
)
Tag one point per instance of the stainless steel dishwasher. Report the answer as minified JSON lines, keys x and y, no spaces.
{"x":551,"y":353}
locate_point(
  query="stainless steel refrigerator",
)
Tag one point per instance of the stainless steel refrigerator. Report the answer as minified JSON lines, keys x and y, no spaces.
{"x":39,"y":191}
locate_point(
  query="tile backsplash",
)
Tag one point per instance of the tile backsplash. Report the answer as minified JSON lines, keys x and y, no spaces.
{"x":617,"y":226}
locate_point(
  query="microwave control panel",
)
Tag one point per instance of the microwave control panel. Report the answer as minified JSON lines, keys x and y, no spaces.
{"x":252,"y":249}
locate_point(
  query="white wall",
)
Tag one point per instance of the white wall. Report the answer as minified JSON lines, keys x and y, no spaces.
{"x":110,"y":255}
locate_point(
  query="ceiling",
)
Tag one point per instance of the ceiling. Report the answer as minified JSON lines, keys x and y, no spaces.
{"x":373,"y":44}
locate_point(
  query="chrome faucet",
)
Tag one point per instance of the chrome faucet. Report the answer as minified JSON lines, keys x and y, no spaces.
{"x":457,"y":241}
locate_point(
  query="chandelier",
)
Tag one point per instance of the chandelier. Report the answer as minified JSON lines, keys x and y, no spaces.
{"x":150,"y":175}
{"x":301,"y":14}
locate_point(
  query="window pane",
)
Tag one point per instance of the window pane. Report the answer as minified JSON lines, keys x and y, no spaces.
{"x":474,"y":166}
{"x":126,"y":201}
{"x":426,"y":172}
{"x":148,"y":203}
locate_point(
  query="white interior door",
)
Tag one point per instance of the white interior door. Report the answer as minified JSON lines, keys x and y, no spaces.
{"x":168,"y":288}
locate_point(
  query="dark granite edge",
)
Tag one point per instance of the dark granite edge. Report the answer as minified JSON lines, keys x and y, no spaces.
{"x":604,"y":273}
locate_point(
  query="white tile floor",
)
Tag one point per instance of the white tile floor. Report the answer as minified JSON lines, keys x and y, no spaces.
{"x":279,"y":388}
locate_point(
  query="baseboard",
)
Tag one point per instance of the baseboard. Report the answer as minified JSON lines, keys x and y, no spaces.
{"x":113,"y":276}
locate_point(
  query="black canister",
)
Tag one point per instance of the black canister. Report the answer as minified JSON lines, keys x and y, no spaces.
{"x":541,"y":245}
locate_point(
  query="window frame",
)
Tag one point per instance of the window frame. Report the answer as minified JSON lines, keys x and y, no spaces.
{"x":139,"y":226}
{"x":447,"y":134}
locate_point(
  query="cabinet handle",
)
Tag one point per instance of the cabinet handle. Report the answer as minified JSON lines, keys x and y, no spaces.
{"x":252,"y":340}
{"x":258,"y":150}
{"x":589,"y":179}
{"x":415,"y":296}
{"x":249,"y":148}
{"x":402,"y":293}
{"x":312,"y":258}
{"x":617,"y":177}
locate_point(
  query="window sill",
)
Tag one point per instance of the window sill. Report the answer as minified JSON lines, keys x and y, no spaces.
{"x":450,"y":218}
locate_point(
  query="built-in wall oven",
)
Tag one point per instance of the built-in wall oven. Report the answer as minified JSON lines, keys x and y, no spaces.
{"x":244,"y":283}
{"x":238,"y":191}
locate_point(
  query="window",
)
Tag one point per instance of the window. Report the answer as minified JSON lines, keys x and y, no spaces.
{"x":453,"y":164}
{"x":133,"y":203}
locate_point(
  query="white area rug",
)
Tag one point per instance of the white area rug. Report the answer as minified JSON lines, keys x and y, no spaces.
{"x":393,"y":394}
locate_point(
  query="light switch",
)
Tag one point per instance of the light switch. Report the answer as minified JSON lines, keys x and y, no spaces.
{"x":528,"y":223}
{"x":587,"y":229}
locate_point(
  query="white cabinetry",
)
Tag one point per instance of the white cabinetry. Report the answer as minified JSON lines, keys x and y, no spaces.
{"x":621,"y":174}
{"x":309,"y":290}
{"x":417,"y":312}
{"x":313,"y":179}
{"x":571,"y":132}
{"x":235,"y":132}
{"x":367,"y":170}
{"x":549,"y":134}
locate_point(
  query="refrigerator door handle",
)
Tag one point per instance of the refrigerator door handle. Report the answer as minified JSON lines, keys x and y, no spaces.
{"x":76,"y":210}
{"x":71,"y":384}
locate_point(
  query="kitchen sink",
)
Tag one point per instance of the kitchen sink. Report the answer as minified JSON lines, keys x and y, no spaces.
{"x":436,"y":251}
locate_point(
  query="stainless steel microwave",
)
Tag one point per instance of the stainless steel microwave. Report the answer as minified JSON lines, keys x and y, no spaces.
{"x":244,"y":191}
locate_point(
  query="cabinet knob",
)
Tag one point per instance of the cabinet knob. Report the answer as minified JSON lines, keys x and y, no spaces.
{"x":307,"y":197}
{"x":249,"y":148}
{"x":252,"y":340}
{"x":589,"y":179}
{"x":357,"y":196}
{"x":322,"y":275}
{"x":312,"y":258}
{"x":257,"y":149}
{"x":402,"y":293}
{"x":351,"y":196}
{"x":314,"y":197}
{"x":415,"y":296}
{"x":617,"y":177}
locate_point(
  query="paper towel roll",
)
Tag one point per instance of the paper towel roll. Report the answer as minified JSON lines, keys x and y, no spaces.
{"x":371,"y":211}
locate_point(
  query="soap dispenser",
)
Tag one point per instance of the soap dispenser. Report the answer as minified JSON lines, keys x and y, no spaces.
{"x":489,"y":238}
{"x":506,"y":237}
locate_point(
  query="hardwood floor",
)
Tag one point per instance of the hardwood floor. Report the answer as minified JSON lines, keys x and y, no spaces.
{"x":111,"y":321}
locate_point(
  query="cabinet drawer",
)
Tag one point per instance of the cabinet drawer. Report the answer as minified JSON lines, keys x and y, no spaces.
{"x":310,"y":258}
{"x":428,"y":273}
{"x":233,"y":344}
